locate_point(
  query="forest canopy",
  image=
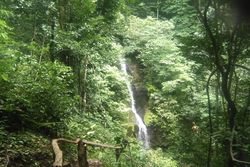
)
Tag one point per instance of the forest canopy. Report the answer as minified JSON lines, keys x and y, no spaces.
{"x":165,"y":81}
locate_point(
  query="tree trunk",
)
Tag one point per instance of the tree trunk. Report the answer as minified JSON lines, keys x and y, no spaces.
{"x":82,"y":154}
{"x":84,"y":90}
{"x":52,"y":44}
{"x":217,"y":108}
{"x":231,"y":110}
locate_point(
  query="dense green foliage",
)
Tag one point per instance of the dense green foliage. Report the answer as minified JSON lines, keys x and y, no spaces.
{"x":60,"y":77}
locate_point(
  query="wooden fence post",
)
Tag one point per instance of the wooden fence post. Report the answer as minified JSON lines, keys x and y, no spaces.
{"x":82,"y":154}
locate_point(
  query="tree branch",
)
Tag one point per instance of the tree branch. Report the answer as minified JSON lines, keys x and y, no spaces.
{"x":210,"y":118}
{"x":231,"y":150}
{"x":243,"y":67}
{"x":215,"y":48}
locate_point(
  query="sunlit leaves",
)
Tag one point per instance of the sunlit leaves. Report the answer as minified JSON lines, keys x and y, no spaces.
{"x":45,"y":94}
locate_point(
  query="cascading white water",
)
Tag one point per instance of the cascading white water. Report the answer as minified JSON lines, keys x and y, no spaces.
{"x":142,"y":129}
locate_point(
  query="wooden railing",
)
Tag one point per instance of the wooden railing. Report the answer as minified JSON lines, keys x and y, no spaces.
{"x":82,"y":152}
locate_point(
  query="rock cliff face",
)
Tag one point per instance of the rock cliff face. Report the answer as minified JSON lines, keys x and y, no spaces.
{"x":141,"y":95}
{"x":140,"y":91}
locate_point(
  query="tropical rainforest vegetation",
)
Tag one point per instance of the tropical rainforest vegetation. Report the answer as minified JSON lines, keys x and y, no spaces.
{"x":187,"y":60}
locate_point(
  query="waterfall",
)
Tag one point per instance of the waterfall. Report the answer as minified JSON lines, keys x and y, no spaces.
{"x":142,"y":129}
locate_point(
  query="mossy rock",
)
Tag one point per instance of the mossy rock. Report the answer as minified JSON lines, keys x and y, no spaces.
{"x":148,"y":118}
{"x":131,"y":131}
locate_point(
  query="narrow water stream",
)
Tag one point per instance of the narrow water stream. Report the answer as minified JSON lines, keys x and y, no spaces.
{"x":142,"y":129}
